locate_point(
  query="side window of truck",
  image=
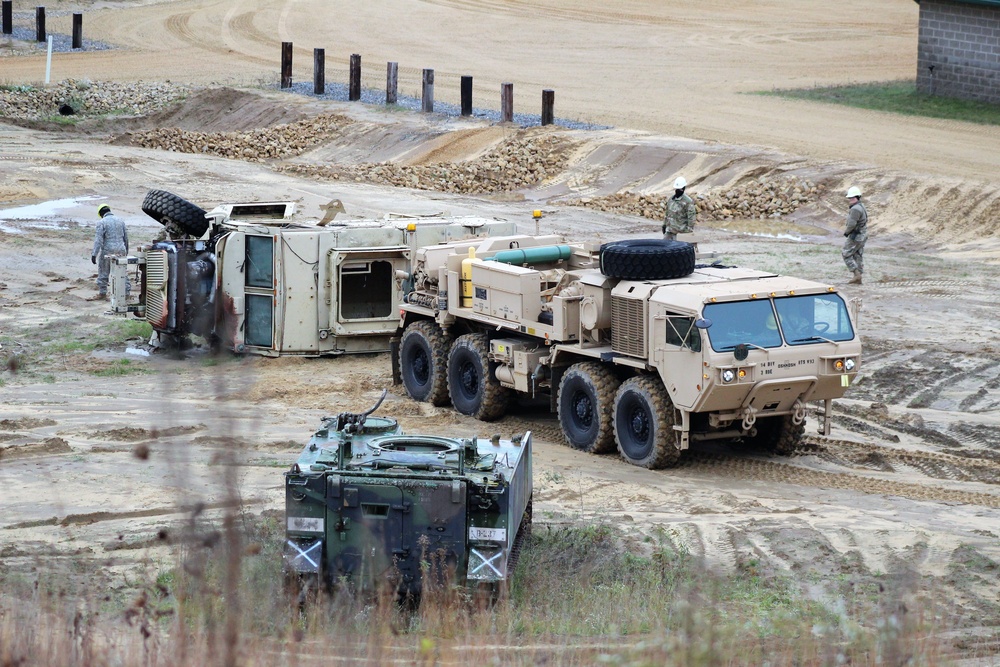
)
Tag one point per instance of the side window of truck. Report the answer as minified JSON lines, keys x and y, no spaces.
{"x":681,"y":332}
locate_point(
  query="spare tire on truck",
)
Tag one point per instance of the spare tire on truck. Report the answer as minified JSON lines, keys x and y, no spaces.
{"x":161,"y":206}
{"x":647,"y":259}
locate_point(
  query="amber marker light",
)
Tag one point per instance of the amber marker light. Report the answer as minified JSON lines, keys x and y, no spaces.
{"x":838,"y":365}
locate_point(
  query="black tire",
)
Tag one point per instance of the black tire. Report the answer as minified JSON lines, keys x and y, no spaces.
{"x":644,"y":423}
{"x":778,"y":435}
{"x":586,"y":406}
{"x":164,"y":206}
{"x":474,"y":389}
{"x":423,"y":362}
{"x":647,"y":259}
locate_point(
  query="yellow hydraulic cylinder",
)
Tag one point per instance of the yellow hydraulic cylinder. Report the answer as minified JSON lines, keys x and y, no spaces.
{"x":465,"y":281}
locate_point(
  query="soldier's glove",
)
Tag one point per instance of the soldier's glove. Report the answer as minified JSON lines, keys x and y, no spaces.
{"x":664,"y":229}
{"x":847,"y":234}
{"x":93,"y":259}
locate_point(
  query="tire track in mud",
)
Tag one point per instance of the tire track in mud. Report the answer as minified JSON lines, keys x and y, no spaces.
{"x":775,"y":472}
{"x":178,"y":26}
{"x":931,"y":464}
{"x":853,"y":455}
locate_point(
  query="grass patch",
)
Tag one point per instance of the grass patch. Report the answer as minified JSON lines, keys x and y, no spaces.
{"x":899,"y":97}
{"x":119,"y":368}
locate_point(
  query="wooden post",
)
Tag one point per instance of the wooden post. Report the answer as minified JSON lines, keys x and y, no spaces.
{"x":506,"y":102}
{"x":8,"y":17}
{"x":548,"y":101}
{"x":427,"y":91}
{"x":319,"y":71}
{"x":40,"y":24}
{"x":77,"y":31}
{"x":466,"y":95}
{"x":354,"y":94}
{"x":391,"y":82}
{"x":286,"y":64}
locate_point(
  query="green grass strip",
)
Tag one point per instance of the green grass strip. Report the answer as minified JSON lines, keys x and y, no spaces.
{"x":899,"y":97}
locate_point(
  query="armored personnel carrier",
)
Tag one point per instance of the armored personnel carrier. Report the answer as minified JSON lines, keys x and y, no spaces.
{"x":370,"y":507}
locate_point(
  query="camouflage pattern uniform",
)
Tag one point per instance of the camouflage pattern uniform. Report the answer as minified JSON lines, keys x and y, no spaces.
{"x":856,"y":233}
{"x":110,"y":239}
{"x":680,"y":216}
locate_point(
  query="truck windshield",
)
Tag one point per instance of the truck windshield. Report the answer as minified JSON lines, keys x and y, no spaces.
{"x":747,"y":322}
{"x":812,"y":318}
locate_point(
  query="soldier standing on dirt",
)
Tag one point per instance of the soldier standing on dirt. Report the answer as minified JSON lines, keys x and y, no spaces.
{"x":856,"y":233}
{"x":681,"y":212}
{"x":110,"y":239}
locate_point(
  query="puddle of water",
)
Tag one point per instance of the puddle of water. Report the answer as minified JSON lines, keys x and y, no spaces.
{"x":39,"y":212}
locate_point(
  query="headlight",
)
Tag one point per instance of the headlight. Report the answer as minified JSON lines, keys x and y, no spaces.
{"x":849,"y":364}
{"x":728,"y":375}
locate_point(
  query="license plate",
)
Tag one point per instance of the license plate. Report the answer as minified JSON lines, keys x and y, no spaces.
{"x":492,"y":534}
{"x":304,"y":524}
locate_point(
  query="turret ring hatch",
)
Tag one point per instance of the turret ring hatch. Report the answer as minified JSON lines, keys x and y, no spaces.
{"x":801,"y":320}
{"x":425,"y":452}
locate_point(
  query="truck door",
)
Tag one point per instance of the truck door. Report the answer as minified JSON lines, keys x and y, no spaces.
{"x":258,"y":271}
{"x":676,"y":352}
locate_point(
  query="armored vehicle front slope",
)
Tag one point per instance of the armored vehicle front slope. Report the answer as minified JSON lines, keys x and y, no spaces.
{"x":372,"y":508}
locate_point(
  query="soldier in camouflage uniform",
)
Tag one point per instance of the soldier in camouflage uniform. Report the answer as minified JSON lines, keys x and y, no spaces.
{"x":856,"y":233}
{"x":681,"y":212}
{"x":110,"y":239}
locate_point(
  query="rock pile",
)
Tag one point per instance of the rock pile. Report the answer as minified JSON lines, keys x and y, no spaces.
{"x":269,"y":143}
{"x":87,"y":99}
{"x":763,"y":197}
{"x":517,"y":163}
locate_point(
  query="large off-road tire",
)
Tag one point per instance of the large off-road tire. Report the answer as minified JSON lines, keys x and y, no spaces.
{"x":423,"y":362}
{"x":780,"y":435}
{"x":647,"y":259}
{"x":164,"y":206}
{"x":586,"y":405}
{"x":644,"y":421}
{"x":474,"y":389}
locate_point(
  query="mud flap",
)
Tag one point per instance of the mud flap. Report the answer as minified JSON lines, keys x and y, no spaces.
{"x":397,"y":377}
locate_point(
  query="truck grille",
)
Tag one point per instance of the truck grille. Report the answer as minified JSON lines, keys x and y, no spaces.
{"x":156,"y":288}
{"x":628,"y":326}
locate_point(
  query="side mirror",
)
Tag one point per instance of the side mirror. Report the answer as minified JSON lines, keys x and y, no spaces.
{"x":703,"y":323}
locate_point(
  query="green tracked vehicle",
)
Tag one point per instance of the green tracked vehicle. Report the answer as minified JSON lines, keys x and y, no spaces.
{"x":373,"y":509}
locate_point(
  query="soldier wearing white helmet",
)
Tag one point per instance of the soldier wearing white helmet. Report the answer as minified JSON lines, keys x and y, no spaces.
{"x":110,"y":238}
{"x":856,"y":233}
{"x":681,"y":212}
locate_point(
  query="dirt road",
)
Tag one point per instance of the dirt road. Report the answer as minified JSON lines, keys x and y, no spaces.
{"x":686,"y":69}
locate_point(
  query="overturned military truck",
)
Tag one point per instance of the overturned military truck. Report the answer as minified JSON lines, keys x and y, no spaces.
{"x":636,"y":346}
{"x":372,"y":508}
{"x":246,"y":277}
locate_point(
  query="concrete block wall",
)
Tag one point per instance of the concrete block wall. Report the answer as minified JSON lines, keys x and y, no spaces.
{"x":958,"y":50}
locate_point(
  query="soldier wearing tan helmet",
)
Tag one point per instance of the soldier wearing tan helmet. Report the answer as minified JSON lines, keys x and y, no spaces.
{"x":110,"y":239}
{"x":856,"y":233}
{"x":681,"y":212}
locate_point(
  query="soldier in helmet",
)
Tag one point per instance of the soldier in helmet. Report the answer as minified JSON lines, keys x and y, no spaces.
{"x":856,"y":233}
{"x":110,"y":239}
{"x":681,"y":212}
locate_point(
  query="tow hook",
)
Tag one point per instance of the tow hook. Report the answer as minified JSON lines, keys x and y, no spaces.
{"x":749,"y":417}
{"x":799,"y":414}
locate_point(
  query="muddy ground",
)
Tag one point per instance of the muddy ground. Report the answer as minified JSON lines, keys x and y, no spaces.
{"x":905,"y":488}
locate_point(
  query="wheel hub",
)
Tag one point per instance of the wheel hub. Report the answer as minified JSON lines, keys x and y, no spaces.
{"x":582,"y":409}
{"x":470,"y":379}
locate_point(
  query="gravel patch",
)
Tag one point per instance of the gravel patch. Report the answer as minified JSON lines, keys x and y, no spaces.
{"x":339,"y":92}
{"x":85,"y":98}
{"x":60,"y":43}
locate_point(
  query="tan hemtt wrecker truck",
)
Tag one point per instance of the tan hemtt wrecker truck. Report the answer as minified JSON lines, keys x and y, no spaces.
{"x":248,"y":278}
{"x":633,"y":344}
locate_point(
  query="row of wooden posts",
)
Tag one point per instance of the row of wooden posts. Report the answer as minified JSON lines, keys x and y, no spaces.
{"x":392,"y":85}
{"x":7,"y":20}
